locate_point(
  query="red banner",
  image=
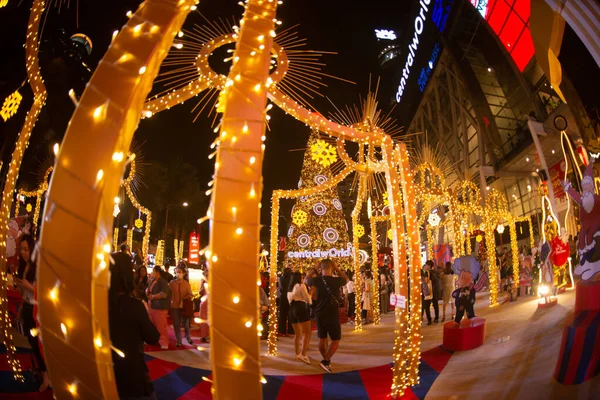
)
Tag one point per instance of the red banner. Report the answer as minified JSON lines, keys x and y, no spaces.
{"x":194,"y":248}
{"x":557,"y":174}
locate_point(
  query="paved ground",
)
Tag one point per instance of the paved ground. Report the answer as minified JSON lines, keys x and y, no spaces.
{"x":517,"y":360}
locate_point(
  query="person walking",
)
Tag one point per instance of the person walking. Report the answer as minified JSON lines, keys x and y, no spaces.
{"x":204,"y":328}
{"x":129,"y":328}
{"x":426,"y":295}
{"x":437,"y":285}
{"x":351,"y":296}
{"x":384,"y":292}
{"x":158,"y":293}
{"x":327,"y":308}
{"x":141,"y":284}
{"x":367,"y":297}
{"x":284,"y":326}
{"x":449,"y":279}
{"x":180,"y":292}
{"x":25,"y":281}
{"x":300,"y":301}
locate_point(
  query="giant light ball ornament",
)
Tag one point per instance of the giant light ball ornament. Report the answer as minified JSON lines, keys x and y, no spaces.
{"x":434,"y":219}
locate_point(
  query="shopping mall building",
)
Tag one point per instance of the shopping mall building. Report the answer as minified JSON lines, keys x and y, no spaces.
{"x":487,"y":88}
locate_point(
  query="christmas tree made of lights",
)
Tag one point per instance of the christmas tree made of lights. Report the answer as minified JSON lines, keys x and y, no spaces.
{"x":319,"y":229}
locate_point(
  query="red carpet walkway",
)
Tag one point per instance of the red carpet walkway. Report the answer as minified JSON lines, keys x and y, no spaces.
{"x":173,"y":381}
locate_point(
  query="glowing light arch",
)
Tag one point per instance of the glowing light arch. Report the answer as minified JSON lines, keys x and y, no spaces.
{"x":85,"y":184}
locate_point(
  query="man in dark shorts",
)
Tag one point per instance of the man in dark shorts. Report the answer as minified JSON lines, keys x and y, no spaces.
{"x":326,"y":307}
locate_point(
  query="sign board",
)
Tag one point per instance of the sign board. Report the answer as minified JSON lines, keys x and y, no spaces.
{"x":194,"y":248}
{"x":385,"y":34}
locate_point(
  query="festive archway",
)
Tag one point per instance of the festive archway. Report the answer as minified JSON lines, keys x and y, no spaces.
{"x":73,"y":282}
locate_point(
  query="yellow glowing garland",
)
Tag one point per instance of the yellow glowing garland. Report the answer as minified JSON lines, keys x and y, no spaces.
{"x":38,"y":194}
{"x":127,"y":185}
{"x":375,"y":267}
{"x":115,"y":239}
{"x":11,"y":105}
{"x":358,"y":231}
{"x":39,"y":99}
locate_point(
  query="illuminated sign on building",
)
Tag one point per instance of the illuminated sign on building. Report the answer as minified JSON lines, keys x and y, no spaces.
{"x":385,"y":34}
{"x":510,"y":21}
{"x":427,"y":70}
{"x":481,"y":6}
{"x":331,"y":253}
{"x":194,"y":247}
{"x":439,"y":16}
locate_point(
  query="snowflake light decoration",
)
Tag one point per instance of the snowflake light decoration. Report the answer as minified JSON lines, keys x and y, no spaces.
{"x":139,"y":223}
{"x":323,"y":153}
{"x":11,"y":105}
{"x":28,"y":208}
{"x":434,"y":219}
{"x":299,"y":217}
{"x":359,"y":231}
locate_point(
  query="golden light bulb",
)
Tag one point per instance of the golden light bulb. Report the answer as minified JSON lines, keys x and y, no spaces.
{"x":98,"y":342}
{"x":214,"y":258}
{"x":239,"y":231}
{"x":142,"y":70}
{"x":106,"y":248}
{"x":54,"y":294}
{"x":248,"y":324}
{"x":99,"y":175}
{"x":72,"y":388}
{"x":237,"y":361}
{"x":245,"y":128}
{"x":63,"y":328}
{"x":117,"y":200}
{"x":98,"y":112}
{"x":252,"y":160}
{"x":236,"y":299}
{"x":55,"y":148}
{"x":34,"y":332}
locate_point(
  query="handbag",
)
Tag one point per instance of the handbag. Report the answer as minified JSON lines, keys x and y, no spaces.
{"x":188,"y":308}
{"x":335,"y":301}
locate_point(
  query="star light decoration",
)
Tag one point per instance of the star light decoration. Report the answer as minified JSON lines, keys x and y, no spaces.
{"x":139,"y":223}
{"x":359,"y":231}
{"x":300,"y":217}
{"x":323,"y":153}
{"x":11,"y":103}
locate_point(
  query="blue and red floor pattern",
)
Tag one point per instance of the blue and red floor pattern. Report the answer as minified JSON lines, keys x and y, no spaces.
{"x":173,"y":381}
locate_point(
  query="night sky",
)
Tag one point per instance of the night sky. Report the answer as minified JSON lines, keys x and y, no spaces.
{"x":340,"y":26}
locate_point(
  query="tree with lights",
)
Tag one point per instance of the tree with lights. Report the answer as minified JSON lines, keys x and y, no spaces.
{"x":319,"y":229}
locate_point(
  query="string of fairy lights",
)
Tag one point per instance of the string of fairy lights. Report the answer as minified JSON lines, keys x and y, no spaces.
{"x":74,"y":323}
{"x":39,"y":99}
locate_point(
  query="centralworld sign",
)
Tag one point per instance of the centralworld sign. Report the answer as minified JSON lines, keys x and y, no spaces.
{"x":439,"y":11}
{"x":323,"y":253}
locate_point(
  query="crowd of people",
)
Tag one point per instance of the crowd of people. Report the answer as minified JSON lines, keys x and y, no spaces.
{"x":319,"y":295}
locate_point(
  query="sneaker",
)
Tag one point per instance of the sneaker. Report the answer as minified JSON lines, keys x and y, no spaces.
{"x":429,"y":323}
{"x":190,"y":341}
{"x":164,"y":347}
{"x":178,"y":345}
{"x":325,"y":366}
{"x":304,"y":359}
